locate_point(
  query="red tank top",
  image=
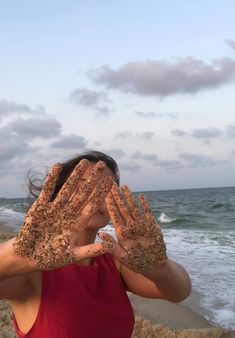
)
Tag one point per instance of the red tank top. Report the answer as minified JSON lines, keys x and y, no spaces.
{"x":83,"y":302}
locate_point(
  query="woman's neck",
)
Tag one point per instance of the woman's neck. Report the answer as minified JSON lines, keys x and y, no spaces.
{"x":86,"y":237}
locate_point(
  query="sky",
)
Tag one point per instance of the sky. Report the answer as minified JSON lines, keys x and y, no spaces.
{"x":151,"y":83}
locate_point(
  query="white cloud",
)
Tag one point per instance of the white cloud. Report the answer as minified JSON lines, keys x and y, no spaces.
{"x":17,"y":146}
{"x":34,"y":127}
{"x":198,"y":160}
{"x":87,"y":97}
{"x":206,"y":133}
{"x":149,"y":115}
{"x":124,"y":134}
{"x":233,"y":153}
{"x":115,"y":153}
{"x":178,"y":132}
{"x":145,"y":135}
{"x":231,"y":130}
{"x":11,"y":107}
{"x":71,"y":141}
{"x":230,"y":43}
{"x":156,"y":161}
{"x":132,"y":166}
{"x":162,"y":78}
{"x":12,"y":146}
{"x":103,"y":112}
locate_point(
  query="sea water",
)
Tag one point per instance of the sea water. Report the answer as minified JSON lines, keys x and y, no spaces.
{"x":199,"y":231}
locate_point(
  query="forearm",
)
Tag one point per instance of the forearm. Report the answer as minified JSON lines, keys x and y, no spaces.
{"x":11,"y":264}
{"x":172,"y":281}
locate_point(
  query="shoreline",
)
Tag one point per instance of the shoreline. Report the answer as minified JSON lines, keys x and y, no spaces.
{"x":161,"y":311}
{"x":163,"y":319}
{"x":5,"y":227}
{"x":154,"y":318}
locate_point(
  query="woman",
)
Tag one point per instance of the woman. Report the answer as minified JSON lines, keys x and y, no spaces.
{"x":60,"y":282}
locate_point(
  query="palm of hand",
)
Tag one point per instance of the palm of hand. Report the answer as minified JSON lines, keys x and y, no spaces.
{"x":48,"y":234}
{"x":140,"y":240}
{"x":144,"y":251}
{"x":46,"y":237}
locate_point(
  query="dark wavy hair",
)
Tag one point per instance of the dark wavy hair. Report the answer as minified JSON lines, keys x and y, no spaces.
{"x":35,"y":182}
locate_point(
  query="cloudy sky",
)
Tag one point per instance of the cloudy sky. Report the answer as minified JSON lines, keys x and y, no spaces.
{"x":151,"y":83}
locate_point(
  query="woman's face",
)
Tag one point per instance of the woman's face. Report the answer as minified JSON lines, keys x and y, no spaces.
{"x":101,"y":216}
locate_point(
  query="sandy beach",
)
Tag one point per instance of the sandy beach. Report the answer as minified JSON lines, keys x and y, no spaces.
{"x":154,"y":318}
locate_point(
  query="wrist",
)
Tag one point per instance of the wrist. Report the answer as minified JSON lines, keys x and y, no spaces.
{"x":158,"y":271}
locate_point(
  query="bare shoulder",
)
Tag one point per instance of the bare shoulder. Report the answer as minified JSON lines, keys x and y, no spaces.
{"x":21,"y":288}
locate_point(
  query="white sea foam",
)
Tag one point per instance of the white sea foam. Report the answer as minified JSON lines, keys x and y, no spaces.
{"x":9,"y":213}
{"x":163,"y":218}
{"x":209,"y":257}
{"x":225,"y":317}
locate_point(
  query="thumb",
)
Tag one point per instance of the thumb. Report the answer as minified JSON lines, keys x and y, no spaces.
{"x":107,"y":238}
{"x":92,"y":250}
{"x":117,"y":251}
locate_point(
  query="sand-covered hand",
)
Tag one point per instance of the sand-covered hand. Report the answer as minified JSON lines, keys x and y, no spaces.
{"x":50,"y":229}
{"x":141,"y":245}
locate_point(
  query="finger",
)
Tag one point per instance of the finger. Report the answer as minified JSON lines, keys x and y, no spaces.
{"x":147,"y":210}
{"x":124,"y":246}
{"x":120,"y":202}
{"x":49,"y":185}
{"x":97,"y":199}
{"x":92,"y":250}
{"x":134,"y":209}
{"x":77,"y":220}
{"x":106,"y":237}
{"x":71,"y":183}
{"x":119,"y":224}
{"x":118,"y":251}
{"x":85,"y":191}
{"x":33,"y":207}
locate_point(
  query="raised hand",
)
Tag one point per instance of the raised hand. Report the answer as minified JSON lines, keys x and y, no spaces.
{"x":50,"y":229}
{"x":140,"y":244}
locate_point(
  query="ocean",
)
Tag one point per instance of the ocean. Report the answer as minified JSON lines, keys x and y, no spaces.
{"x":199,"y":231}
